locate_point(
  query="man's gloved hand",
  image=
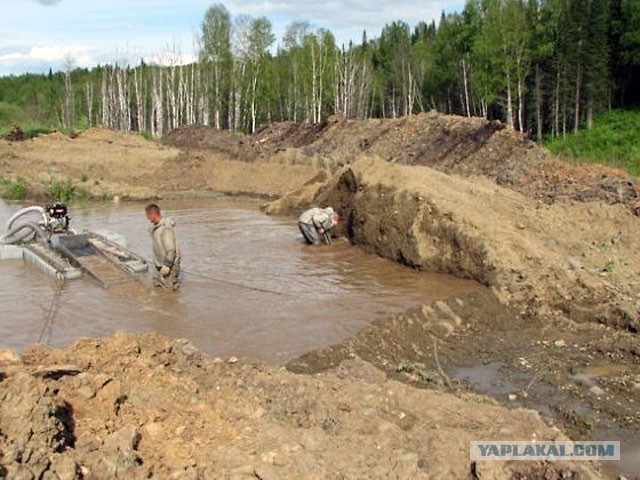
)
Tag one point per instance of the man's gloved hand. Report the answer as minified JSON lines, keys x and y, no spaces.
{"x":164,"y":270}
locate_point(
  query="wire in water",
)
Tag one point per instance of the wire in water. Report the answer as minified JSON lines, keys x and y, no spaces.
{"x":240,"y":285}
{"x":52,"y":311}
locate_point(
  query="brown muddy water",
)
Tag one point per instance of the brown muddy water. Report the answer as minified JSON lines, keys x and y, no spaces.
{"x":251,"y":288}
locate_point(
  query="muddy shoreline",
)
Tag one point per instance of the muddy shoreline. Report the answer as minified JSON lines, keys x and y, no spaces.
{"x":556,"y":332}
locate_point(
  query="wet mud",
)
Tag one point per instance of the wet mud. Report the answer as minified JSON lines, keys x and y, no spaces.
{"x":583,"y":378}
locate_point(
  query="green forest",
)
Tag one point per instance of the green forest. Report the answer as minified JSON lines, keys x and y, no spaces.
{"x":546,"y":68}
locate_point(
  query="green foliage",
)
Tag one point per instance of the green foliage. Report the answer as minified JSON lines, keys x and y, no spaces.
{"x":66,"y":191}
{"x":34,"y":131}
{"x":13,"y":189}
{"x":9,"y":114}
{"x":613,"y":141}
{"x":146,"y":135}
{"x":418,"y":372}
{"x":610,"y":266}
{"x":545,"y":66}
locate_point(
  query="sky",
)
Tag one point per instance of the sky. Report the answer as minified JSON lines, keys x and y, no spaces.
{"x":36,"y":35}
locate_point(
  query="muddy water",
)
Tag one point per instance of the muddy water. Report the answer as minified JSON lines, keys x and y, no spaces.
{"x":251,"y":288}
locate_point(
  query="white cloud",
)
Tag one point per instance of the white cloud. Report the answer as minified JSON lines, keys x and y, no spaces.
{"x":172,"y":58}
{"x":79,"y":54}
{"x":90,"y":31}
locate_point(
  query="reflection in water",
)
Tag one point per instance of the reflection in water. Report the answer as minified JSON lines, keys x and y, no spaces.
{"x":251,"y":288}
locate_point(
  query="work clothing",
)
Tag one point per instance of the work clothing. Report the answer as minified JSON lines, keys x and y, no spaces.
{"x":315,"y":223}
{"x":165,"y":252}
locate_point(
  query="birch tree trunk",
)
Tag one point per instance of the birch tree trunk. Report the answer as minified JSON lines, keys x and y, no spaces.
{"x":576,"y":123}
{"x":509,"y":101}
{"x":157,"y":110}
{"x":104,"y":104}
{"x":520,"y":102}
{"x":68,"y":105}
{"x":538,"y":105}
{"x":465,"y":81}
{"x":137,"y":90}
{"x":89,"y":99}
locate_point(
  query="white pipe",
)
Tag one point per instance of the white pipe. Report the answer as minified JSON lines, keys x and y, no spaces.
{"x":34,"y":230}
{"x":24,"y":211}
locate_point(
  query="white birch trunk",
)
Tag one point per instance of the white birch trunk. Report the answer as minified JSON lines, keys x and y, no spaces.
{"x":89,"y":99}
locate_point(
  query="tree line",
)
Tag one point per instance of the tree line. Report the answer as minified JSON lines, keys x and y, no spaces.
{"x":543,"y":67}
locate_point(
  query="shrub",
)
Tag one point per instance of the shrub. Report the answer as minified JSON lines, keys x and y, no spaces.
{"x":13,"y":189}
{"x":66,"y":191}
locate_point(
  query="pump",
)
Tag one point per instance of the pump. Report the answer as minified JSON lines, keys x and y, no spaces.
{"x":56,"y":219}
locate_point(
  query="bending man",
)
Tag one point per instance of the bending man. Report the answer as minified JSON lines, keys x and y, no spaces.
{"x":166,"y":254}
{"x":315,"y":223}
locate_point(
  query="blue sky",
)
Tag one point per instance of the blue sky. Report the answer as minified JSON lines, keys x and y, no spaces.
{"x":36,"y":35}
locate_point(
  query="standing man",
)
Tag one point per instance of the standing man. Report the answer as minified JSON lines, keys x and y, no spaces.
{"x":166,"y":254}
{"x":315,"y":223}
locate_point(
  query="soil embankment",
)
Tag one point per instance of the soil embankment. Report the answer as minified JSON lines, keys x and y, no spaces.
{"x":140,"y":406}
{"x":557,"y":245}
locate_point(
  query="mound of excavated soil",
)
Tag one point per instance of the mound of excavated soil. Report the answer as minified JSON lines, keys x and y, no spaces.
{"x":111,"y":163}
{"x":207,"y":138}
{"x":101,"y":161}
{"x":144,"y":406}
{"x":452,"y":144}
{"x":539,"y":258}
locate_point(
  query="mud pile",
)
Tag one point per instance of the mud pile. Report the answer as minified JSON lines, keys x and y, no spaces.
{"x":140,"y":406}
{"x":536,"y":257}
{"x":451,"y":144}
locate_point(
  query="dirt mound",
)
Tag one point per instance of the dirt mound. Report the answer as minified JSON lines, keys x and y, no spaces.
{"x":264,"y":144}
{"x":106,"y":160}
{"x":554,"y":180}
{"x":201,"y":137}
{"x":280,"y":136}
{"x":537,"y":257}
{"x":103,"y":162}
{"x":141,"y":406}
{"x":451,"y":144}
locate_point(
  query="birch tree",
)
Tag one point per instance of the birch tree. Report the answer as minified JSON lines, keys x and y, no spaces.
{"x":68,"y":106}
{"x":216,"y":52}
{"x":293,"y":40}
{"x":260,"y":38}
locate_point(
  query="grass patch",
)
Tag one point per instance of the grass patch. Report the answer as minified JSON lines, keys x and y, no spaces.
{"x":613,"y":141}
{"x":146,"y":135}
{"x":34,"y":131}
{"x":30,"y":131}
{"x":66,"y":191}
{"x":13,"y":189}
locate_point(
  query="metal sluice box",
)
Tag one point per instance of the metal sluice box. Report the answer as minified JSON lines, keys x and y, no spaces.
{"x":52,"y":246}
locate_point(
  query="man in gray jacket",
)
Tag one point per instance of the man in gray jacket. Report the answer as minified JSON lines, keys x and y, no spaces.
{"x":315,"y":223}
{"x":166,"y":254}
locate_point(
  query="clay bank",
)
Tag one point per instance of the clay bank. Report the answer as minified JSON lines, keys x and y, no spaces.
{"x":555,"y":245}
